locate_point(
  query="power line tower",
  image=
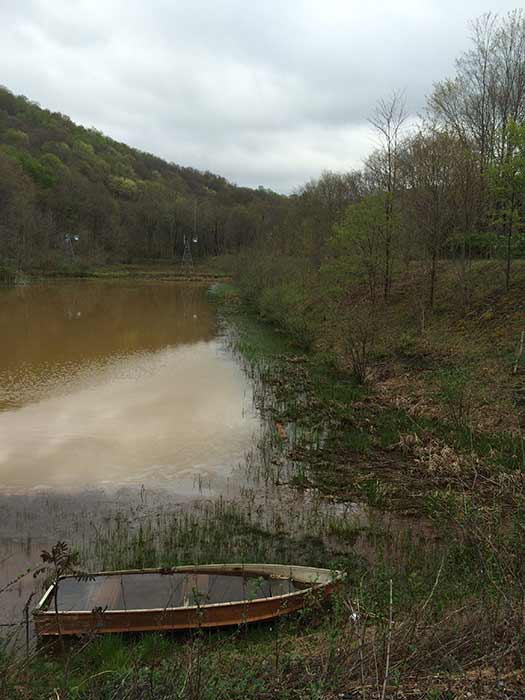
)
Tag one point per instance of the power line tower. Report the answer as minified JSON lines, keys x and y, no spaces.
{"x":187,"y":257}
{"x":69,"y":239}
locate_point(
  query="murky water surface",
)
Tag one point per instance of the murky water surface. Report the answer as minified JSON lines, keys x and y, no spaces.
{"x":110,"y":392}
{"x":115,"y":383}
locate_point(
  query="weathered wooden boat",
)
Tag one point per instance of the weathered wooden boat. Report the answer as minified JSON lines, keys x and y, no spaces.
{"x":180,"y":598}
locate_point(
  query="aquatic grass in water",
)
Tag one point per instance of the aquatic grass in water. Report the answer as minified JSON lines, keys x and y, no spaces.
{"x":220,"y":531}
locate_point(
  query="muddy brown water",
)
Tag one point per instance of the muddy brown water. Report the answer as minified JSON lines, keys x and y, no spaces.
{"x":113,"y":394}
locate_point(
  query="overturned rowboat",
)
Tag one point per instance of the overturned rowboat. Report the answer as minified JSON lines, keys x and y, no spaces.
{"x":179,"y":598}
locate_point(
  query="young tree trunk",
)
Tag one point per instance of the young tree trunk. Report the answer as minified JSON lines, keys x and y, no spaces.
{"x":509,"y":257}
{"x":388,"y":273}
{"x":216,"y":238}
{"x":433,"y":266}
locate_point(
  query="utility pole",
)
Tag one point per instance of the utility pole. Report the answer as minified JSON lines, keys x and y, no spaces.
{"x":69,"y":239}
{"x":187,"y":257}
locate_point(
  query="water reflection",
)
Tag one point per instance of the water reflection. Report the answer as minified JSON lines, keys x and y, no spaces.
{"x":49,"y":333}
{"x":107,"y":383}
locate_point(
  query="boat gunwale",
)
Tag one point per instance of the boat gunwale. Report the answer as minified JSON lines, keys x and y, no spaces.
{"x":337,"y":576}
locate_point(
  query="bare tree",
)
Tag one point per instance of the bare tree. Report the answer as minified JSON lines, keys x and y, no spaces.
{"x":488,"y":90}
{"x":507,"y":179}
{"x":388,"y":120}
{"x":432,"y":177}
{"x":510,"y":56}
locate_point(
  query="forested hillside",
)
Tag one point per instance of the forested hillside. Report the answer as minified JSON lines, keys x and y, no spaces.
{"x":59,"y":179}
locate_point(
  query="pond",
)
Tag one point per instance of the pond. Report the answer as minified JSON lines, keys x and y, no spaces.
{"x":111,"y":383}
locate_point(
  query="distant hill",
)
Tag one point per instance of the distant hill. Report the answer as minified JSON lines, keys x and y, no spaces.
{"x":58,"y":179}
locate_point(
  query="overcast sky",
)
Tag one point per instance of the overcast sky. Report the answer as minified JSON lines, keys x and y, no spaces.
{"x":268,"y":93}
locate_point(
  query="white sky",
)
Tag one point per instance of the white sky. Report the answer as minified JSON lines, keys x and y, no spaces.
{"x":269,"y":93}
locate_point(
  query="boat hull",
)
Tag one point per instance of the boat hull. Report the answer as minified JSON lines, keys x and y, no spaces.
{"x":318,"y":583}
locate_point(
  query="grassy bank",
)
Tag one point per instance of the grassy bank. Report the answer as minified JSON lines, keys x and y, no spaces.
{"x":419,"y":399}
{"x":175,"y":271}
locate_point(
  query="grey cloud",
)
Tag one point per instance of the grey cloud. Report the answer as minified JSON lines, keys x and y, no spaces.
{"x":270,"y":93}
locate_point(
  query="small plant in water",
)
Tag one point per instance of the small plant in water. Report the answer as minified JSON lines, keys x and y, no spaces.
{"x":60,"y":561}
